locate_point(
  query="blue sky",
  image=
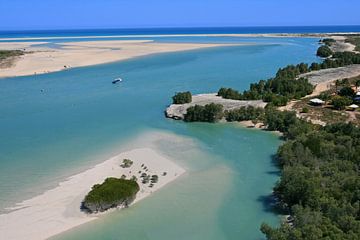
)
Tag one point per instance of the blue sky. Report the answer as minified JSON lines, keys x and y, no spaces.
{"x":68,"y":14}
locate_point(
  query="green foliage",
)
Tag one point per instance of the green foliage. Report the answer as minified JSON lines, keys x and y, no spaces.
{"x":355,"y":41}
{"x":324,"y":51}
{"x":305,"y":110}
{"x":278,"y":90}
{"x":320,"y":184}
{"x":279,"y":120}
{"x":328,"y":41}
{"x":229,"y":93}
{"x":244,"y":114}
{"x":340,"y":102}
{"x":10,"y":53}
{"x":325,"y":96}
{"x":111,"y":192}
{"x":315,"y":66}
{"x":182,"y":98}
{"x":209,"y":113}
{"x":347,"y":92}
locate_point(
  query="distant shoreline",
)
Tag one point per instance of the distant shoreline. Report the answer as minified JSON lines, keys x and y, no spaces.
{"x":40,"y":60}
{"x":188,"y":35}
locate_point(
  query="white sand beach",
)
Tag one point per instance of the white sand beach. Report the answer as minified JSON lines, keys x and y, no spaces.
{"x":58,"y":210}
{"x":43,"y":59}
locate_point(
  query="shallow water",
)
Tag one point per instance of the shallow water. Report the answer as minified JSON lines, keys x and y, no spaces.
{"x":57,"y":124}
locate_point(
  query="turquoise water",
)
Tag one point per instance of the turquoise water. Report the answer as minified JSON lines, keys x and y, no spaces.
{"x":80,"y":119}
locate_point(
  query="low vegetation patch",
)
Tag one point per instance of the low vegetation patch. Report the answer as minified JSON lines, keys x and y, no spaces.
{"x":10,"y":53}
{"x":324,"y":52}
{"x":182,"y":98}
{"x":112,"y":193}
{"x":328,"y":41}
{"x":355,"y":41}
{"x":209,"y":113}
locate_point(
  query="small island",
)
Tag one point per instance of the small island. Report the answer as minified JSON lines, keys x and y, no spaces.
{"x":112,"y":193}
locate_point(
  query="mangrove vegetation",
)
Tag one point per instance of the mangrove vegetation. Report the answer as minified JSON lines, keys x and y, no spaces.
{"x":112,"y":193}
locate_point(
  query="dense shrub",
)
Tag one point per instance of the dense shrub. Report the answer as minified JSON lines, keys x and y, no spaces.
{"x":182,"y":98}
{"x":113,"y":192}
{"x":278,"y":90}
{"x":324,"y":51}
{"x":340,"y":102}
{"x":209,"y":113}
{"x":244,"y":114}
{"x":320,"y":184}
{"x":328,"y":41}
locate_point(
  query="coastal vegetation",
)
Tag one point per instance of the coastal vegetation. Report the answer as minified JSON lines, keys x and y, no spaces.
{"x":7,"y":57}
{"x":245,"y":114}
{"x":209,"y":113}
{"x":324,"y":51}
{"x":10,"y":53}
{"x":182,"y":98}
{"x":287,"y":85}
{"x":320,"y":183}
{"x":355,"y":40}
{"x":112,"y":193}
{"x":328,"y":41}
{"x":278,"y":90}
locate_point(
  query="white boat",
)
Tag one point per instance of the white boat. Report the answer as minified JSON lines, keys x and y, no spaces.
{"x":117,"y":80}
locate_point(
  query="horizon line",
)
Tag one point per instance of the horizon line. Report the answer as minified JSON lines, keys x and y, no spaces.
{"x":174,"y":27}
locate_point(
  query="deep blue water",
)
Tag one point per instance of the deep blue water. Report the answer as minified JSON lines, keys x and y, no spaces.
{"x":159,"y":31}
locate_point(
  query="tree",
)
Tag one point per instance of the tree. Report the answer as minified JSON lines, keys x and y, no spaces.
{"x":182,"y":98}
{"x":209,"y":113}
{"x":340,"y":102}
{"x":347,"y":92}
{"x":324,"y":51}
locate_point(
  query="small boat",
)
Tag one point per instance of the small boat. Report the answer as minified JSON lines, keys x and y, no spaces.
{"x":117,"y":80}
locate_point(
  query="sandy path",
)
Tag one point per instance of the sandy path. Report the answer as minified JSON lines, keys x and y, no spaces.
{"x":323,"y":79}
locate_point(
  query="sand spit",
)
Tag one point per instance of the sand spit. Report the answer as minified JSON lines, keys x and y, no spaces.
{"x":58,"y":210}
{"x":44,"y":59}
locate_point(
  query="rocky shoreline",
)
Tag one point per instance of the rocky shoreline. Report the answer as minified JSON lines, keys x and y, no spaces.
{"x":178,"y":111}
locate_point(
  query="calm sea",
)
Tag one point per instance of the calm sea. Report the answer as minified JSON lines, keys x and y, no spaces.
{"x":161,"y":31}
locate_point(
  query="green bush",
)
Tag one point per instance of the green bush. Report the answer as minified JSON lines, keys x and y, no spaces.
{"x":278,"y":90}
{"x":208,"y":113}
{"x":340,"y":102}
{"x":111,"y":193}
{"x":305,"y":110}
{"x":324,"y":51}
{"x":10,"y":53}
{"x":320,"y":184}
{"x":328,"y":41}
{"x":347,"y":92}
{"x":182,"y":98}
{"x":244,"y":114}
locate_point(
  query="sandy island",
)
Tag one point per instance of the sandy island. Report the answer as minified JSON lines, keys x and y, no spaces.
{"x":58,"y":210}
{"x":43,"y":59}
